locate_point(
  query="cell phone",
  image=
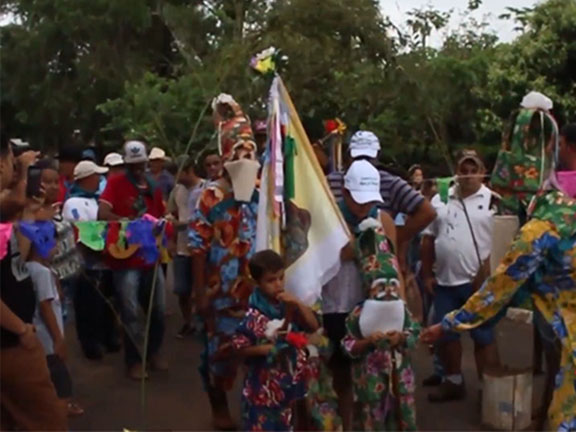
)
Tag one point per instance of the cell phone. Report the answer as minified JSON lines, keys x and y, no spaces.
{"x":34,"y":182}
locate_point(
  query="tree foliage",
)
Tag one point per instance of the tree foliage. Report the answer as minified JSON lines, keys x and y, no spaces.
{"x":116,"y":69}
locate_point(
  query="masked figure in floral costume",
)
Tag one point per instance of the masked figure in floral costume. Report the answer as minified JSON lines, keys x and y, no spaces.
{"x":382,"y":372}
{"x":542,"y":261}
{"x":221,"y":239}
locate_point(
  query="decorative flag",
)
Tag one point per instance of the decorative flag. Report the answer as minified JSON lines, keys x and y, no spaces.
{"x":141,"y":232}
{"x":444,"y":188}
{"x":91,"y":234}
{"x":42,"y":234}
{"x":305,"y":225}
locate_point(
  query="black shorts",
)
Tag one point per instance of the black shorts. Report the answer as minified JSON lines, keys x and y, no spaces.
{"x":60,"y":376}
{"x":335,"y":327}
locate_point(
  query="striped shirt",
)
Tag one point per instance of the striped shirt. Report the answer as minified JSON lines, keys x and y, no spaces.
{"x":398,"y":195}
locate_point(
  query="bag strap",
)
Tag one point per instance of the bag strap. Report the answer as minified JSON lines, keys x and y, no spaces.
{"x":476,"y":248}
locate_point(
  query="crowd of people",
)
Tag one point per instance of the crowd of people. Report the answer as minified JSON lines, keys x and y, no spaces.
{"x":407,"y":241}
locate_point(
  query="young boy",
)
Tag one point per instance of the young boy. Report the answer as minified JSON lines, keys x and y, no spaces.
{"x":49,"y":323}
{"x":182,"y":204}
{"x":382,"y":373}
{"x":276,"y":375}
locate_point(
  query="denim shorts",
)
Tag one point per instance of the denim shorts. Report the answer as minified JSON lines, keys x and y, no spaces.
{"x":448,"y":299}
{"x":182,"y":275}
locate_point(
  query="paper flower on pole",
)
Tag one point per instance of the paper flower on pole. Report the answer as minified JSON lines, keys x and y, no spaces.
{"x":334,"y":126}
{"x":267,"y":61}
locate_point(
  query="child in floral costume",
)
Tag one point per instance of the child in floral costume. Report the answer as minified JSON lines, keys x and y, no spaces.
{"x":277,"y":372}
{"x":383,"y":375}
{"x":382,"y":372}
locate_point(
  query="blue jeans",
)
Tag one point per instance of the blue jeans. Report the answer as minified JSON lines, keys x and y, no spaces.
{"x":133,"y":289}
{"x":449,"y":298}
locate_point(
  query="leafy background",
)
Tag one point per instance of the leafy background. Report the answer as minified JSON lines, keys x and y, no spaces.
{"x":149,"y":68}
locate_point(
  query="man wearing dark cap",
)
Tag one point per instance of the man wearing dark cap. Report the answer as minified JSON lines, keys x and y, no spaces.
{"x":455,"y":252}
{"x":67,"y":157}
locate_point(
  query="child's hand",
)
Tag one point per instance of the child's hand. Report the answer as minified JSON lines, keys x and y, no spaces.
{"x":60,"y":349}
{"x":288,"y":299}
{"x":376,"y":337}
{"x":395,"y":338}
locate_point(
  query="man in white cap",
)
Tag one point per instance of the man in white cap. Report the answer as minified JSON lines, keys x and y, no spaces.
{"x":398,"y":196}
{"x":159,"y":172}
{"x":130,"y":196}
{"x":82,"y":203}
{"x":95,"y":322}
{"x":115,"y":164}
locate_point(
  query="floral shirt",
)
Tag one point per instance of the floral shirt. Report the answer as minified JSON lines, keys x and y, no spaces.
{"x":270,"y":382}
{"x":542,"y":260}
{"x":383,"y":379}
{"x":383,"y":376}
{"x":225,"y":230}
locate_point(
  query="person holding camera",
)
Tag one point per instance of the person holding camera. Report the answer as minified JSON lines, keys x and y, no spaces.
{"x":28,"y":398}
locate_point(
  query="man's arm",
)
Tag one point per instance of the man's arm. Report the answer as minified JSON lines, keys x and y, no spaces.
{"x":10,"y":321}
{"x":13,"y":200}
{"x":105,"y":212}
{"x":423,"y":216}
{"x":523,"y":258}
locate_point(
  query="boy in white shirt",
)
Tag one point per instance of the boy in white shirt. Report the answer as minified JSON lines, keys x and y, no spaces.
{"x":49,"y":323}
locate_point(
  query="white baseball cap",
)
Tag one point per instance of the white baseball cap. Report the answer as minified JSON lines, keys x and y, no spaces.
{"x":135,"y":152}
{"x":113,"y":159}
{"x":87,"y":168}
{"x":362,"y":180}
{"x":157,"y":153}
{"x":364,"y":143}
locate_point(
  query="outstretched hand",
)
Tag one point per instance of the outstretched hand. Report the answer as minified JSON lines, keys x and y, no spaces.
{"x":431,"y":334}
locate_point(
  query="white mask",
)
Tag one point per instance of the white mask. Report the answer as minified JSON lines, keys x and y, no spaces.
{"x":243,"y":174}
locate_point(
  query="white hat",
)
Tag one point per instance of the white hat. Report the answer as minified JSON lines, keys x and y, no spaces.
{"x":157,"y":153}
{"x":113,"y":159}
{"x":87,"y":168}
{"x":537,"y":100}
{"x":362,"y":180}
{"x":364,"y":143}
{"x":135,"y":152}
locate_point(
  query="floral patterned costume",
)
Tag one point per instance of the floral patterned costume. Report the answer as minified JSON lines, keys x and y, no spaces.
{"x":225,"y":230}
{"x":274,"y":382}
{"x":541,"y":260}
{"x":383,"y":377}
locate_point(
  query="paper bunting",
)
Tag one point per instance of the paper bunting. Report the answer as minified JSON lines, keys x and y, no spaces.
{"x":91,"y":234}
{"x":116,"y":241}
{"x":145,"y":237}
{"x":444,"y":188}
{"x":5,"y":233}
{"x":141,"y":232}
{"x":42,"y":234}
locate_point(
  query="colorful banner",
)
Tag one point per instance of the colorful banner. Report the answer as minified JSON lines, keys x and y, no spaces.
{"x":297,"y":215}
{"x":145,"y":237}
